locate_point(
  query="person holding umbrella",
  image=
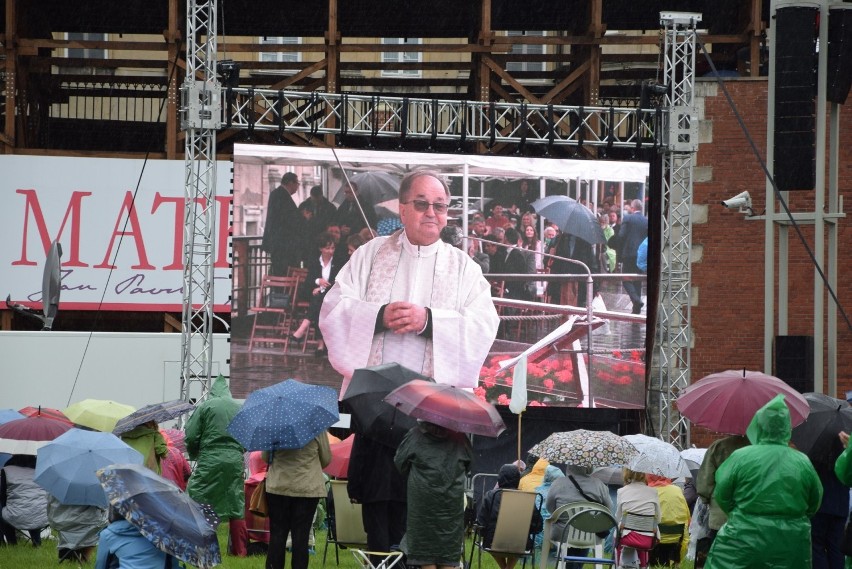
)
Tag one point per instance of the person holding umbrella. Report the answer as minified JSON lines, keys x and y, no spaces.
{"x":218,"y":476}
{"x":121,"y":542}
{"x":436,"y":461}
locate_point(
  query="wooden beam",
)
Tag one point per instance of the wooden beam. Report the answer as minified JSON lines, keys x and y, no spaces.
{"x":571,"y":78}
{"x":170,"y":323}
{"x":503,"y":74}
{"x":284,"y":83}
{"x":172,"y":125}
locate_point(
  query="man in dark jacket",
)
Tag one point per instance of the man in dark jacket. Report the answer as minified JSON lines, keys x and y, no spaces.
{"x":634,"y":230}
{"x":377,"y":485}
{"x":282,"y":231}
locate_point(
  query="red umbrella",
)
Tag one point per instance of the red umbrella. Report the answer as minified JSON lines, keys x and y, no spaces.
{"x":27,"y":435}
{"x":340,"y":454}
{"x":48,"y":412}
{"x":727,"y":401}
{"x":448,"y":406}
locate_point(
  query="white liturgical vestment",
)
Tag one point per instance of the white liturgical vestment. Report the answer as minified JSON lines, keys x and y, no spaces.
{"x":391,"y":269}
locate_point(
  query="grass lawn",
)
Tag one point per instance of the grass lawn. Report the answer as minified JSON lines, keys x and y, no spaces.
{"x":24,"y":556}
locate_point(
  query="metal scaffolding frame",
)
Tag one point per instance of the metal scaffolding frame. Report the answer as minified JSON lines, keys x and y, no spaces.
{"x":201,"y":117}
{"x":673,"y":129}
{"x":680,"y":133}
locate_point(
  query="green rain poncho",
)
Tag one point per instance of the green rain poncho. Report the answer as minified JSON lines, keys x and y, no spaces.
{"x":218,"y":476}
{"x":769,"y":491}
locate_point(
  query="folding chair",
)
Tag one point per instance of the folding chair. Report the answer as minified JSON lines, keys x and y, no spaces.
{"x":512,"y":532}
{"x":366,"y":559}
{"x":643,"y":536}
{"x":273,"y":311}
{"x":583,"y":521}
{"x":345,"y":527}
{"x":671,"y":541}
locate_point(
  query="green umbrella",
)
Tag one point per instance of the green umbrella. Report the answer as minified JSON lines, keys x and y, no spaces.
{"x":98,"y":414}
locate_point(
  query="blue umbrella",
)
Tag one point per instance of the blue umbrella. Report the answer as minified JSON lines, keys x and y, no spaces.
{"x":167,"y":517}
{"x":287,"y":415}
{"x":7,"y":415}
{"x":571,"y":216}
{"x":66,"y":466}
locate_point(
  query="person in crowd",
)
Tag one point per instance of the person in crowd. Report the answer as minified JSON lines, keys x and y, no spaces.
{"x":349,"y":214}
{"x":435,"y":462}
{"x":23,"y":503}
{"x":533,"y":478}
{"x":635,"y":497}
{"x":218,"y":476}
{"x":551,"y":474}
{"x":642,"y":256}
{"x":479,"y":230}
{"x":453,"y":235}
{"x":175,"y":467}
{"x":673,"y":510}
{"x":634,"y":228}
{"x":497,"y":218}
{"x":690,"y":493}
{"x":607,"y":256}
{"x":508,"y":478}
{"x":321,"y":212}
{"x":410,"y":298}
{"x":352,"y":244}
{"x":294,"y":485}
{"x":769,"y":491}
{"x":341,"y":247}
{"x":376,"y":484}
{"x":827,"y":526}
{"x":511,"y":260}
{"x":705,"y":484}
{"x":77,"y":529}
{"x":149,"y":441}
{"x":576,"y":486}
{"x":572,"y":292}
{"x":121,"y":544}
{"x":322,"y":270}
{"x":283,"y":229}
{"x":549,"y":235}
{"x":531,"y":242}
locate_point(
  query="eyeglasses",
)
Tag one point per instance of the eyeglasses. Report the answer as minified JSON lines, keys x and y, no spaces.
{"x":423,"y":206}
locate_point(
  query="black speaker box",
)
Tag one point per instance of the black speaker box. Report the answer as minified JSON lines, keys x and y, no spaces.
{"x":794,"y":361}
{"x":839,"y":54}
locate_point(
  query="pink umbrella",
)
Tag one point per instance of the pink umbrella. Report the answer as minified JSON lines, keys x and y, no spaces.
{"x":448,"y":406}
{"x":47,"y":412}
{"x":727,"y":401}
{"x":27,"y":435}
{"x":341,"y":452}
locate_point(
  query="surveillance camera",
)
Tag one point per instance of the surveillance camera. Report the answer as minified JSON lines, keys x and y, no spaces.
{"x":742,"y":201}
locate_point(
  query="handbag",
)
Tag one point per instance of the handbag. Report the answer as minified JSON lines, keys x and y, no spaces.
{"x":257,"y":504}
{"x":278,"y":300}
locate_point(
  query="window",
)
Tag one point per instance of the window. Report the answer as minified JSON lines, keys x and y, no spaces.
{"x":281,"y":56}
{"x":86,"y":53}
{"x":526,"y":49}
{"x":401,"y":57}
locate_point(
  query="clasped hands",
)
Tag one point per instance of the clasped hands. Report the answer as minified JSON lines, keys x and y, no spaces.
{"x":404,"y":317}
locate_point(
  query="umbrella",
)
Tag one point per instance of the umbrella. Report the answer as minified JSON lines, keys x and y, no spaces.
{"x":341,"y":452}
{"x":571,"y":217}
{"x":656,"y":457}
{"x":25,"y":436}
{"x":448,"y":406}
{"x":167,"y":517}
{"x":7,"y":415}
{"x":693,"y":457}
{"x":45,"y":412}
{"x":66,"y":466}
{"x":379,"y":190}
{"x":98,"y":414}
{"x":158,"y":412}
{"x":585,"y":448}
{"x":286,"y":415}
{"x":726,"y":402}
{"x":817,"y":436}
{"x":371,"y":416}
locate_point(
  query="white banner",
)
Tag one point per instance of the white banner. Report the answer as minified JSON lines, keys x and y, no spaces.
{"x":119,"y":251}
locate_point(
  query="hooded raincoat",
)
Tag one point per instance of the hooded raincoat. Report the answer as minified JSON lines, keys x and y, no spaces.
{"x":769,"y":491}
{"x":218,"y":476}
{"x":435,"y":462}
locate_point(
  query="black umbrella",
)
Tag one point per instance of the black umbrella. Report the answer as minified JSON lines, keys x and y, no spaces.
{"x":371,"y":416}
{"x":817,"y":436}
{"x":158,"y":412}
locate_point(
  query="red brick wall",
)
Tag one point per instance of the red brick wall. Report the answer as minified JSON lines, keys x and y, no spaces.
{"x":728,"y":318}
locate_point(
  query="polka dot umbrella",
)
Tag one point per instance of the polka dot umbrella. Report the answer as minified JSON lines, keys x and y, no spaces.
{"x":287,"y":415}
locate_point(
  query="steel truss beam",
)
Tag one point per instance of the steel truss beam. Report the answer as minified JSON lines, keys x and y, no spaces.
{"x":317,"y":114}
{"x":673,"y":333}
{"x":201,"y":113}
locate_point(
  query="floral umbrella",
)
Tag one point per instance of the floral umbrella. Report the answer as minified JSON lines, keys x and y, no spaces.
{"x":585,"y":448}
{"x":656,"y":457}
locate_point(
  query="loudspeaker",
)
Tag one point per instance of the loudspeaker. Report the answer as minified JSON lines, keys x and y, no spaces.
{"x":794,"y":361}
{"x":796,"y":61}
{"x":839,"y":79}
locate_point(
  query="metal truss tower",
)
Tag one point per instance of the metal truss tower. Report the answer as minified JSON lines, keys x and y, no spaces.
{"x":680,"y":143}
{"x":201,"y":117}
